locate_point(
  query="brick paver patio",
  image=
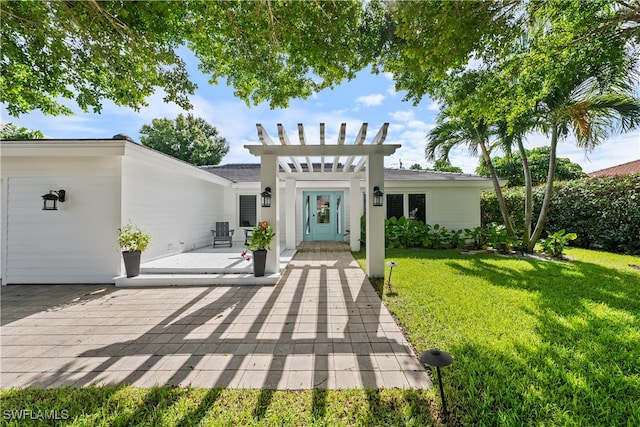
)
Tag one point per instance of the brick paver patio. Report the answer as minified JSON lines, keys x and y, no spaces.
{"x":321,"y":326}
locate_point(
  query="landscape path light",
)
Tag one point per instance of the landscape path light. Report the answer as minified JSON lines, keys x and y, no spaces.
{"x":391,"y":265}
{"x":438,"y":358}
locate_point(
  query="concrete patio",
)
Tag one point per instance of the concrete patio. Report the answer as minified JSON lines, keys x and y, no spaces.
{"x":321,"y":326}
{"x":203,"y":267}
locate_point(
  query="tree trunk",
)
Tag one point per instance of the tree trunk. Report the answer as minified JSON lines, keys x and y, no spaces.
{"x":496,"y":186}
{"x":548,"y":191}
{"x":528,"y":198}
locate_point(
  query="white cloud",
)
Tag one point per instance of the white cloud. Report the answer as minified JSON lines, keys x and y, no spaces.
{"x":434,"y":106}
{"x":391,"y":90}
{"x":419,"y":124}
{"x":402,"y":116}
{"x":370,"y":100}
{"x":389,"y":76}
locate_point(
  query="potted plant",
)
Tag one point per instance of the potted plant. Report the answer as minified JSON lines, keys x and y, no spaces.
{"x":259,"y":244}
{"x":133,"y":241}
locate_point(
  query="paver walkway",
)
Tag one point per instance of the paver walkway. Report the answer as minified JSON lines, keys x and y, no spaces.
{"x":321,"y":326}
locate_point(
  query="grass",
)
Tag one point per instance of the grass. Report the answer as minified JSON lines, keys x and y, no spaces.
{"x":534,"y":342}
{"x":174,"y":406}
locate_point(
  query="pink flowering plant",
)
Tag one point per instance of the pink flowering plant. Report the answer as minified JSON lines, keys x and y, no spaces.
{"x":261,"y":237}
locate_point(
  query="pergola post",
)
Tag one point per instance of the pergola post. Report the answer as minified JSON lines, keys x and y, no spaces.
{"x":375,"y":217}
{"x":355,"y":213}
{"x":290,"y":214}
{"x":269,"y":178}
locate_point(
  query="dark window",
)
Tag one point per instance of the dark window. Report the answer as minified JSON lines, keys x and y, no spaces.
{"x":417,"y":210}
{"x":247,"y":210}
{"x":395,"y":205}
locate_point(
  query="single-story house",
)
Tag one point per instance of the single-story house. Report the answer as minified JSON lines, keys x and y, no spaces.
{"x":108,"y":183}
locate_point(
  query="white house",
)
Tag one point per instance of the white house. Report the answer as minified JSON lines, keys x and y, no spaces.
{"x":110,"y":182}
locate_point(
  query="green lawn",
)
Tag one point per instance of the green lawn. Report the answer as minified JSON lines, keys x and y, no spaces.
{"x":534,"y":343}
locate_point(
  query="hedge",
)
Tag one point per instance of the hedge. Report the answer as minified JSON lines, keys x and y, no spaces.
{"x":604,"y":212}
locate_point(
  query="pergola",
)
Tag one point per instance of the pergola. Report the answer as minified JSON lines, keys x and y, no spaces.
{"x":360,"y":158}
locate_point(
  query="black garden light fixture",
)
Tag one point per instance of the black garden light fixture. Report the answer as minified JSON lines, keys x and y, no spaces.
{"x":266,"y":197}
{"x":377,"y":196}
{"x":391,"y":265}
{"x":50,"y":200}
{"x":438,"y":358}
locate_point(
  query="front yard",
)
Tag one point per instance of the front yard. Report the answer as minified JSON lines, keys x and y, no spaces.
{"x":534,"y":343}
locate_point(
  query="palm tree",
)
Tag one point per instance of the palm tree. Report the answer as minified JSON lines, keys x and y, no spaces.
{"x":506,"y":139}
{"x":587,"y":112}
{"x":451,"y":132}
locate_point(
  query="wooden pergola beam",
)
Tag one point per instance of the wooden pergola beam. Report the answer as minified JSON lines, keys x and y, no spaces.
{"x":341,"y":136}
{"x":267,"y":141}
{"x":284,"y":139}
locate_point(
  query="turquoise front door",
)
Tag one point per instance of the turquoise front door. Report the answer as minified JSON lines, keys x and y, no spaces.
{"x":323,"y":215}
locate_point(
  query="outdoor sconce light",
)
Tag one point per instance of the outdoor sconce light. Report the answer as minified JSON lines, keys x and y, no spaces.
{"x":50,"y":201}
{"x":377,"y":196}
{"x":266,"y":197}
{"x":437,"y":358}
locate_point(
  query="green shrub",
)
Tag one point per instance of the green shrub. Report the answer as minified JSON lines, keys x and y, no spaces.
{"x":476,"y":237}
{"x":499,"y":239}
{"x":554,"y":244}
{"x":603,"y":212}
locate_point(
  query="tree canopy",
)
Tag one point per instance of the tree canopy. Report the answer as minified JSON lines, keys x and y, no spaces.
{"x":510,"y":167}
{"x":187,"y":138}
{"x":11,"y":131}
{"x":443,"y":165}
{"x":92,"y":51}
{"x":60,"y":53}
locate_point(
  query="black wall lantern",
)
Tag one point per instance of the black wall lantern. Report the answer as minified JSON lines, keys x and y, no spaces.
{"x":377,"y":196}
{"x":50,"y":201}
{"x":266,"y":197}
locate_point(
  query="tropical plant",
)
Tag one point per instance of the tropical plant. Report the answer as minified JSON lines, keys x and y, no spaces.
{"x":499,"y":239}
{"x":456,"y":238}
{"x":133,"y":239}
{"x":450,"y":132}
{"x":261,"y":237}
{"x":555,"y":243}
{"x":589,"y":114}
{"x":477,"y":237}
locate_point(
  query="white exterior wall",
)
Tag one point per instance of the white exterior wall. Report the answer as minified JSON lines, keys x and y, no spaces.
{"x":231,"y":211}
{"x":176,"y":203}
{"x":454,"y":205}
{"x":75,"y":244}
{"x":455,"y":209}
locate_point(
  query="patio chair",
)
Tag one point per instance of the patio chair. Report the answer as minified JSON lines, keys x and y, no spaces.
{"x":222,"y":235}
{"x":247,"y":236}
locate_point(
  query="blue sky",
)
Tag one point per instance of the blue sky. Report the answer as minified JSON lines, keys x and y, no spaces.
{"x":368,"y":98}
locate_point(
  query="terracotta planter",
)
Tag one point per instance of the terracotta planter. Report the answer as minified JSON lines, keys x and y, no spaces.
{"x":259,"y":262}
{"x":132,"y":263}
